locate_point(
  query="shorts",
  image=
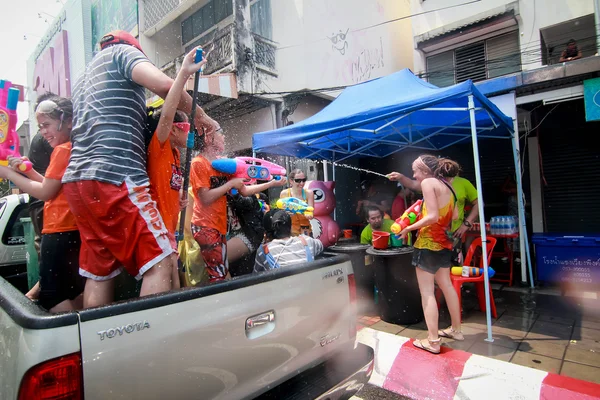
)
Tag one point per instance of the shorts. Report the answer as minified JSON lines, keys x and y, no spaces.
{"x":213,"y":247}
{"x":59,"y":268}
{"x":120,"y":228}
{"x":431,"y":261}
{"x":242,"y":236}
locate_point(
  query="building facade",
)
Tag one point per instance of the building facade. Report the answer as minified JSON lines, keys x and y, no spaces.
{"x":515,"y":47}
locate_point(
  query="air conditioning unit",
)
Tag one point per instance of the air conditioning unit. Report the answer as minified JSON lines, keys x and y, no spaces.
{"x":524,"y":120}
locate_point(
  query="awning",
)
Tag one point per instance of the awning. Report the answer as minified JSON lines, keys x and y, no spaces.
{"x":385,"y":116}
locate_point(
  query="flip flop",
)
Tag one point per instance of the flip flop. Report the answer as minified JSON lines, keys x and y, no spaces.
{"x":451,"y":333}
{"x":418,"y":343}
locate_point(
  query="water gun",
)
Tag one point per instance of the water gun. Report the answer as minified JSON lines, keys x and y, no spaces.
{"x":249,"y":168}
{"x":264,"y":207}
{"x":471,"y":271}
{"x":294,"y":206}
{"x":410,"y":216}
{"x":9,"y":139}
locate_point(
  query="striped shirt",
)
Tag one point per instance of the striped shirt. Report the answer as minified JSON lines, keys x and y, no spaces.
{"x":109,"y":114}
{"x":287,"y":252}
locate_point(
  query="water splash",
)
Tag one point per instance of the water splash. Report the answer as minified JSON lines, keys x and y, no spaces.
{"x":354,"y":168}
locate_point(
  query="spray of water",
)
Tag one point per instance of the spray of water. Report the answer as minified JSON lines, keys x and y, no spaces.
{"x":356,"y":168}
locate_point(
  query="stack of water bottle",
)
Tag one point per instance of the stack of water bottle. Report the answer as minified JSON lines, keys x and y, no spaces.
{"x":504,"y":225}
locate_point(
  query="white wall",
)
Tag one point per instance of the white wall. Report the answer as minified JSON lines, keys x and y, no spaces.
{"x":164,"y":46}
{"x":534,"y":15}
{"x":238,"y":132}
{"x":307,"y":57}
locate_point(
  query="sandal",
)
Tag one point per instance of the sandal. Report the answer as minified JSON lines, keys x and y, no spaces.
{"x":451,"y":333}
{"x":426,"y":344}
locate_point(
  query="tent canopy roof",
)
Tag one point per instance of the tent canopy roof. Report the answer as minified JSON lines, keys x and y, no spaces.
{"x":386,"y":115}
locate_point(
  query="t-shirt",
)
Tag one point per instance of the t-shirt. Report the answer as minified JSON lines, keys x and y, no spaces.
{"x":203,"y":175}
{"x":465,"y":194}
{"x":39,"y":155}
{"x":164,"y":171}
{"x":287,"y":252}
{"x":109,"y":114}
{"x":57,"y":214}
{"x":366,"y":237}
{"x":398,"y":207}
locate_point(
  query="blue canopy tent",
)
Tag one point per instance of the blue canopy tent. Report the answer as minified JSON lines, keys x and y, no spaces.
{"x":386,"y":115}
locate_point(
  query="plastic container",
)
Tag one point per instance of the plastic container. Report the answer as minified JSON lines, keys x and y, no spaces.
{"x":568,"y":259}
{"x":395,"y":241}
{"x":33,"y":268}
{"x":347,"y":233}
{"x":381,"y":240}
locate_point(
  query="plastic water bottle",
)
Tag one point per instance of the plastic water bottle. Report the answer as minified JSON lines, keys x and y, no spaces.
{"x":504,"y":226}
{"x":494,"y":226}
{"x":513,"y":225}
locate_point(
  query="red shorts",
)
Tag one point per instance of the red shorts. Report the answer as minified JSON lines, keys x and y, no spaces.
{"x":213,"y":247}
{"x":120,"y":226}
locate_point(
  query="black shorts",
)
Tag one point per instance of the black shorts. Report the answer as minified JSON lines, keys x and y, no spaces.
{"x":59,"y":268}
{"x":431,"y":261}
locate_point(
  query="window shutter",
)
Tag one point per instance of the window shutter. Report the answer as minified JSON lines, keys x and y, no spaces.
{"x":260,"y":16}
{"x":503,"y":54}
{"x":470,"y":62}
{"x":440,"y":69}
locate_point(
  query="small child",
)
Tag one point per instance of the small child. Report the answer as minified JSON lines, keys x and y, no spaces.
{"x":164,"y":166}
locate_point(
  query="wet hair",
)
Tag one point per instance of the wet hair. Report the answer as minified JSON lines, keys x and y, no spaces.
{"x":295,"y":172}
{"x":152,"y":119}
{"x":373,"y":208}
{"x":278,"y":224}
{"x":440,"y":167}
{"x":572,"y":41}
{"x":63,"y":110}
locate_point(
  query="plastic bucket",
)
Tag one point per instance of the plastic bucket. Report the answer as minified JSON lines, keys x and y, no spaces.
{"x":395,"y":241}
{"x":348,"y":233}
{"x":380,"y":240}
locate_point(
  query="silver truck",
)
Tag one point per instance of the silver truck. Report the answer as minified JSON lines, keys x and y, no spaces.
{"x":287,"y":333}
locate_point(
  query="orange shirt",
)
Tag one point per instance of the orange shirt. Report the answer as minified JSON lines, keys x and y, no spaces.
{"x":57,"y":214}
{"x":203,"y":175}
{"x":166,"y":179}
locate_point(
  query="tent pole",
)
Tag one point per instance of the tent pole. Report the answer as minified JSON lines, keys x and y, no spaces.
{"x":523,"y":236}
{"x":325,"y":171}
{"x":486,"y":276}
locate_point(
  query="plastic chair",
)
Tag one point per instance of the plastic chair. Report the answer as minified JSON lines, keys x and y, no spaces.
{"x":457,"y":281}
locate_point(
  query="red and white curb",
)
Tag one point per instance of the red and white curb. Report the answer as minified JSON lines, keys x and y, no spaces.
{"x":457,"y":375}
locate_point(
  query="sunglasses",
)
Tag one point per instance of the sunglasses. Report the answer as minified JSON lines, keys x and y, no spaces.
{"x":184,"y":126}
{"x":300,"y":180}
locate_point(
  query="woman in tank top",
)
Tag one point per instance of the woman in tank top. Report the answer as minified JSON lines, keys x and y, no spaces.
{"x":433,"y":247}
{"x":300,"y":222}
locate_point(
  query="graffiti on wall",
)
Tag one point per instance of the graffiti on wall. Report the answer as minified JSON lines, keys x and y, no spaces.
{"x":51,"y":72}
{"x":367,"y":61}
{"x":339,"y":42}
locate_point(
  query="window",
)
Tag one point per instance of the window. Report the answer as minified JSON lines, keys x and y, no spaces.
{"x":260,"y":15}
{"x":486,"y":59}
{"x":205,"y":18}
{"x":554,"y":39}
{"x":14,"y":232}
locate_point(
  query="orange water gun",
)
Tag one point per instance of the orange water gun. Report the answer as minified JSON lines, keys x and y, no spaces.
{"x":410,"y":216}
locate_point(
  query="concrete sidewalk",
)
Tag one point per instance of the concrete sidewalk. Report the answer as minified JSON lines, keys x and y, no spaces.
{"x":455,"y":374}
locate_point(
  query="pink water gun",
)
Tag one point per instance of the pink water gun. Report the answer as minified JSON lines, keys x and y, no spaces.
{"x":9,"y":139}
{"x":249,"y":168}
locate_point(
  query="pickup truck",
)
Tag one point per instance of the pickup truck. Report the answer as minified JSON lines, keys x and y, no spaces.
{"x":13,"y":252}
{"x":286,"y":333}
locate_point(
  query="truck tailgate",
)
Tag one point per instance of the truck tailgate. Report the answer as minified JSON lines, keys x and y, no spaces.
{"x":227,"y":341}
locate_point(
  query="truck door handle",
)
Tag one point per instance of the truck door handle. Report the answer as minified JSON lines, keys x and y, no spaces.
{"x":260,"y":320}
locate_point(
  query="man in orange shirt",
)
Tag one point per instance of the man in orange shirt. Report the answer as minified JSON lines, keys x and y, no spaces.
{"x":164,"y":166}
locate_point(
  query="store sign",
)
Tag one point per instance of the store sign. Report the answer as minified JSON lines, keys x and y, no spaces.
{"x":52,"y":72}
{"x":591,"y":98}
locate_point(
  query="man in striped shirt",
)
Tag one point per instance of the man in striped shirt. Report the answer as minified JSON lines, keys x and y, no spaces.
{"x":106,"y":183}
{"x":284,"y":250}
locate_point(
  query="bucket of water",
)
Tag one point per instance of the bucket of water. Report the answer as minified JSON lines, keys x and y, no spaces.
{"x":395,"y":241}
{"x":348,"y":233}
{"x":380,"y":240}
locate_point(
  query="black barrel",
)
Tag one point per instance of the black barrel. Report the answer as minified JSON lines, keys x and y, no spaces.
{"x":399,"y":299}
{"x":364,"y":275}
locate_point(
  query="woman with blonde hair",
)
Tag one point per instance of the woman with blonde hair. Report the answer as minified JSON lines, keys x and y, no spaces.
{"x":433,"y":247}
{"x":300,"y":222}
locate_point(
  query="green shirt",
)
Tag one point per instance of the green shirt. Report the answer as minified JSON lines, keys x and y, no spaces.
{"x":465,"y":194}
{"x":366,"y":237}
